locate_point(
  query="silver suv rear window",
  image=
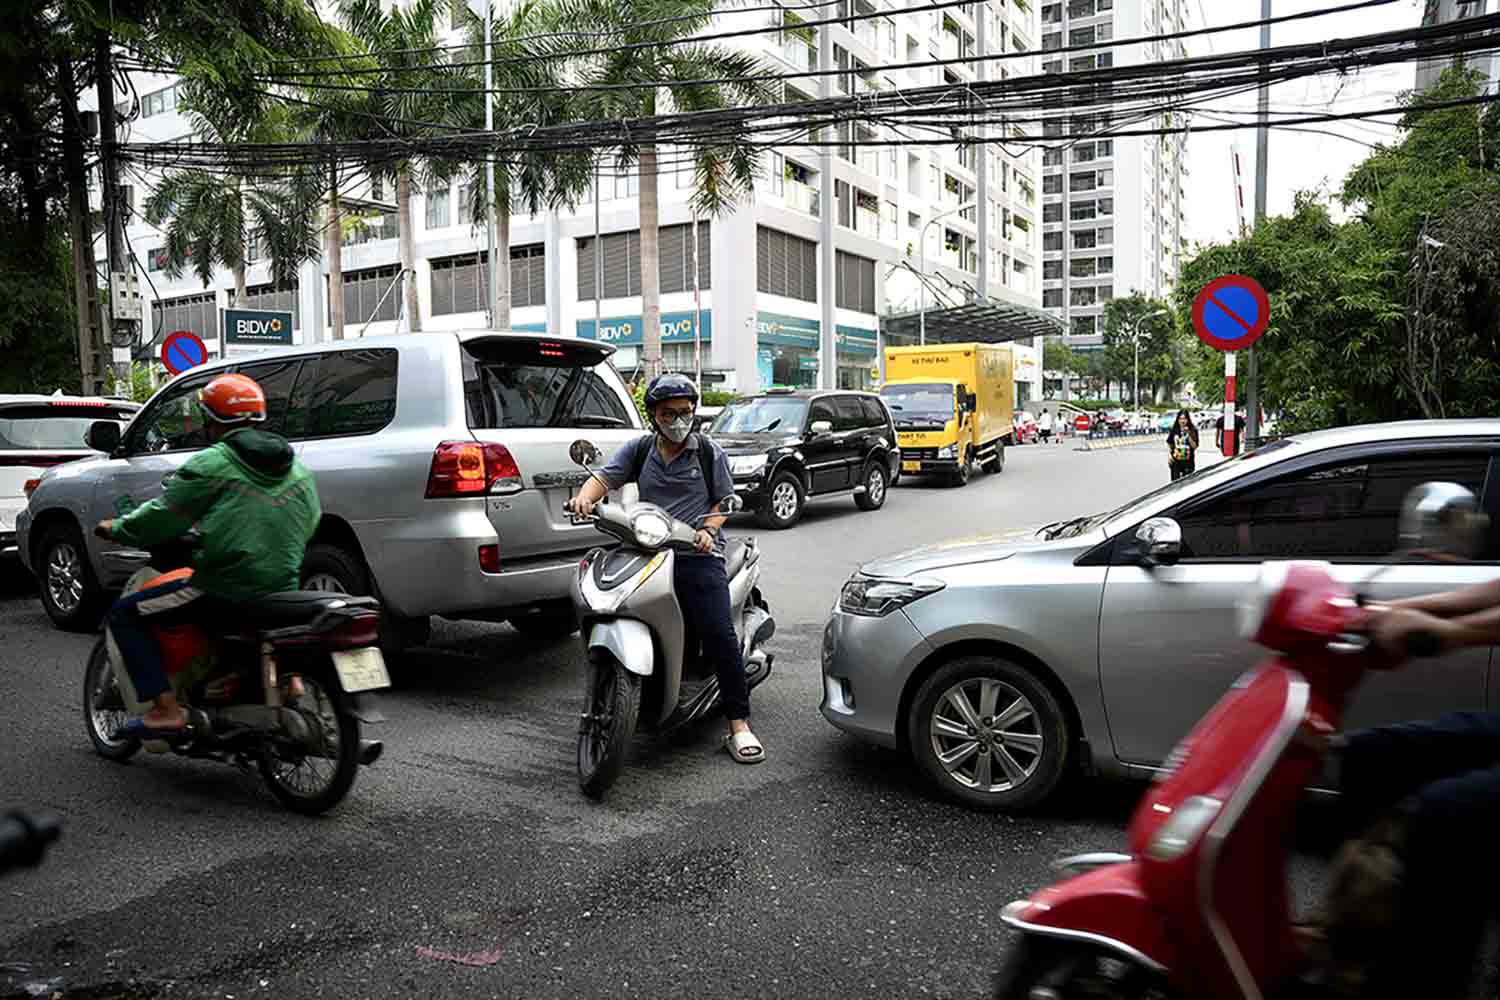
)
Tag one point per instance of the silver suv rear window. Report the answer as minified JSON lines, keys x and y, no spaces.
{"x":52,"y":428}
{"x":537,"y":383}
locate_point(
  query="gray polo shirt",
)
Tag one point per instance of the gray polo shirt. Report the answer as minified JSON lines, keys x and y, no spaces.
{"x":677,"y":488}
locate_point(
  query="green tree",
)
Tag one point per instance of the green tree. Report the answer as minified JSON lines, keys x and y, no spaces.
{"x":1161,"y":349}
{"x":651,"y":71}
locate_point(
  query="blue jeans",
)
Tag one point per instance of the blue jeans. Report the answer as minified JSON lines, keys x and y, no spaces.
{"x":1443,"y":776}
{"x":703,"y":592}
{"x":133,"y":622}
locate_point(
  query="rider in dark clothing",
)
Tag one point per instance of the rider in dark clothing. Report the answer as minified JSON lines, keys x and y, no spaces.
{"x":669,"y":470}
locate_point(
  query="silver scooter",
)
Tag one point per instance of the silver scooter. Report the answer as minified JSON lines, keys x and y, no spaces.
{"x":639,"y":669}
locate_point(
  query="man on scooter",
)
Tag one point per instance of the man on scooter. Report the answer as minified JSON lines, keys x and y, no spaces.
{"x":255,"y":506}
{"x":670,"y":468}
{"x":1437,"y":783}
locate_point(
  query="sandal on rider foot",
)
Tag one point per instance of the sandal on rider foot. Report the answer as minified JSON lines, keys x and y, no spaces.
{"x":137,"y":729}
{"x":744,"y":747}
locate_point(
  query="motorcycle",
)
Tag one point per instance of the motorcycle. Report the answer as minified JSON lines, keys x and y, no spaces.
{"x":639,"y":669}
{"x":286,"y":687}
{"x":1200,"y":906}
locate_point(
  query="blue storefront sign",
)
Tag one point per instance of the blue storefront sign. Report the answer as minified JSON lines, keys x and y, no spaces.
{"x":626,"y":331}
{"x":855,"y":340}
{"x":788,"y":331}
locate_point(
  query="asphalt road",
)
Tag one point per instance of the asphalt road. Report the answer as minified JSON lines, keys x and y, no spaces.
{"x":466,"y":863}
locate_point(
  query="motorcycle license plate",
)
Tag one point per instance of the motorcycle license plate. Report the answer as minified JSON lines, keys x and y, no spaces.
{"x":361,"y":669}
{"x":911,"y":466}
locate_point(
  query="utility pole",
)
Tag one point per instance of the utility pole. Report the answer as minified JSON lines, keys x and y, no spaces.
{"x":124,"y":311}
{"x":1262,"y":151}
{"x":491,"y":268}
{"x":92,"y":352}
{"x":827,"y":278}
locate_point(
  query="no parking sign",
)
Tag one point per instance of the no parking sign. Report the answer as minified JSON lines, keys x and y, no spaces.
{"x":1231,"y":313}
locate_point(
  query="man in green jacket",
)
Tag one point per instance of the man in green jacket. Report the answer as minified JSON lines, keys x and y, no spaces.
{"x":255,"y":507}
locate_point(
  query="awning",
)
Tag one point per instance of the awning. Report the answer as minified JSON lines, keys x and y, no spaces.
{"x":989,"y":322}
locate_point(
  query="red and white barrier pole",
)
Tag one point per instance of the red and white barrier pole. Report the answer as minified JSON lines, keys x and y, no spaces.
{"x":1230,"y":428}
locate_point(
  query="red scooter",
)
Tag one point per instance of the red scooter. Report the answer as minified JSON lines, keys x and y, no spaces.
{"x":1200,"y":908}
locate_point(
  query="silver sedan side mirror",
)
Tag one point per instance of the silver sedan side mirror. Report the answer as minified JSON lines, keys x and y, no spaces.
{"x":1443,"y":518}
{"x":1161,"y":541}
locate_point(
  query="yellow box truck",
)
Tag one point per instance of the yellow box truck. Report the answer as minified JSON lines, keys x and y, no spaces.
{"x":953,"y":406}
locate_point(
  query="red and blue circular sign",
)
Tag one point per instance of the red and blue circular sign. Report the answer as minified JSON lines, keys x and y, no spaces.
{"x":183,"y":350}
{"x":1231,"y":313}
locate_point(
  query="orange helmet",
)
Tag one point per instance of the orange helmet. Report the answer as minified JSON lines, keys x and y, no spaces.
{"x":233,"y":399}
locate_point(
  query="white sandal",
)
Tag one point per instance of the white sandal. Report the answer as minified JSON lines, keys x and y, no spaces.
{"x":744,"y":747}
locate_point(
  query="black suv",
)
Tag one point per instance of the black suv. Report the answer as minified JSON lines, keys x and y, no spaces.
{"x":787,"y":445}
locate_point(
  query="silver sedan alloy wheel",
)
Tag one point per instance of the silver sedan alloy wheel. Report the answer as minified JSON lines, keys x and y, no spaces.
{"x":986,"y":735}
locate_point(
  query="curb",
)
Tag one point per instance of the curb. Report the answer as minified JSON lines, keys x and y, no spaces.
{"x":1124,"y":441}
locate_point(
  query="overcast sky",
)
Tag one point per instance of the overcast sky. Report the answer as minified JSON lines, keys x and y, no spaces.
{"x":1298,"y":160}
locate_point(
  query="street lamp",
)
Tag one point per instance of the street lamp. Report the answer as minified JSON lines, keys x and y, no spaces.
{"x":922,"y":266}
{"x":1135,"y":398}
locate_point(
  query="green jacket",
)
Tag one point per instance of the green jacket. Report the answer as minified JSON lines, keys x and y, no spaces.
{"x":255,"y":506}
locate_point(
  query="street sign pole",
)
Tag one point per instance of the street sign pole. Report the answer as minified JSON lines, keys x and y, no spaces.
{"x":1229,"y":443}
{"x":1230,"y":314}
{"x":1262,"y":165}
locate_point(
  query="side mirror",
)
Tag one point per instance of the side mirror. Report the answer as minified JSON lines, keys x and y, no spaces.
{"x":820,"y":427}
{"x":971,"y":401}
{"x":731,"y":504}
{"x":1161,"y":541}
{"x":104,"y":435}
{"x":583,"y":453}
{"x":1443,"y":518}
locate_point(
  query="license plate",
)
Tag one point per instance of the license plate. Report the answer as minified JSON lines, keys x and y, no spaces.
{"x":911,"y":466}
{"x":361,"y":669}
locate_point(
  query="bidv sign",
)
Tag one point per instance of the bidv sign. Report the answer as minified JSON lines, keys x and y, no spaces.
{"x":623,"y":331}
{"x":257,"y":328}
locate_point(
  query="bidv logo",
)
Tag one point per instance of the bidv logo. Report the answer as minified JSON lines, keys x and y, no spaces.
{"x":258,"y":327}
{"x":617,"y":331}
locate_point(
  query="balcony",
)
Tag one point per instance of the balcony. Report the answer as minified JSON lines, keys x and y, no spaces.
{"x":801,"y":54}
{"x":867,"y":222}
{"x":802,"y":198}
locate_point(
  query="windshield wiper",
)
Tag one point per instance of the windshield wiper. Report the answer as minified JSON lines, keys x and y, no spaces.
{"x":769,"y":427}
{"x":598,"y":420}
{"x":1056,"y":528}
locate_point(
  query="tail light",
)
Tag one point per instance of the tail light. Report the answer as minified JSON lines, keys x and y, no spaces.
{"x":472,"y":468}
{"x":350,"y":631}
{"x":30,"y":487}
{"x":489,"y":558}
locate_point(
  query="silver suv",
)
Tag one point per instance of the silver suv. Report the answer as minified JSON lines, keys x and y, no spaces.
{"x":441,"y":460}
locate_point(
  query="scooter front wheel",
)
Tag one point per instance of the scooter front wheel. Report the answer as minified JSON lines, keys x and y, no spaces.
{"x":1065,"y":970}
{"x":104,"y":707}
{"x":607,"y":726}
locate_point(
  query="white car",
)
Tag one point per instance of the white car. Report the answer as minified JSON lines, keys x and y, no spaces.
{"x":37,"y":432}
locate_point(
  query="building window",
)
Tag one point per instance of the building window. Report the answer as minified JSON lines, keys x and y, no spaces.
{"x":1081,"y":267}
{"x":1106,"y":265}
{"x":786,"y":265}
{"x":1052,"y":158}
{"x":622,"y":261}
{"x":1052,"y":212}
{"x":1085,"y":239}
{"x":1106,"y":236}
{"x":159,"y":102}
{"x":1052,"y":184}
{"x":1085,"y":326}
{"x":1082,"y":182}
{"x":1052,"y":242}
{"x":1106,"y":206}
{"x":1080,"y":36}
{"x":1082,"y":211}
{"x":1052,"y":298}
{"x":854,"y":280}
{"x":439,"y":207}
{"x":194,"y":313}
{"x":369,"y":295}
{"x":276,"y":299}
{"x":1052,"y":270}
{"x":156,"y":259}
{"x":1082,"y":296}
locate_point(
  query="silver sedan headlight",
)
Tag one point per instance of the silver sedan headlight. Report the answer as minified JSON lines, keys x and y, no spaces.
{"x":876,"y":598}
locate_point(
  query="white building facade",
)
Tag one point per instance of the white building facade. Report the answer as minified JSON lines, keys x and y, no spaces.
{"x":1113,"y":208}
{"x":757,"y":317}
{"x":1445,"y":12}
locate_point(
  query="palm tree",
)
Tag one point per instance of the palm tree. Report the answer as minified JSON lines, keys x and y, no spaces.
{"x":659,"y":73}
{"x":529,"y":93}
{"x":208,"y":217}
{"x":408,"y":97}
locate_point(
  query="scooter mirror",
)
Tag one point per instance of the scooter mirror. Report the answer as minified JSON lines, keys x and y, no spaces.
{"x":1160,"y":540}
{"x":583,"y":453}
{"x":731,"y":504}
{"x":1443,"y":518}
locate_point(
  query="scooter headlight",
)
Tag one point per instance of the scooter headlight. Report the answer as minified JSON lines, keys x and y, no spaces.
{"x":1177,"y":835}
{"x":651,"y":529}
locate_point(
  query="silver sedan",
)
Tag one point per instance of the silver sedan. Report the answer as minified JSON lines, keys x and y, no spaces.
{"x":1002,"y":667}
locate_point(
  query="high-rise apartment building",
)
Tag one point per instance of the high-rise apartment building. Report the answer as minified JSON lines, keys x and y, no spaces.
{"x":1112,"y":208}
{"x":1444,"y":12}
{"x":759,"y":307}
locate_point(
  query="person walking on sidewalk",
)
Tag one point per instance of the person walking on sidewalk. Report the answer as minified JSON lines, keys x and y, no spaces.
{"x":1182,"y":446}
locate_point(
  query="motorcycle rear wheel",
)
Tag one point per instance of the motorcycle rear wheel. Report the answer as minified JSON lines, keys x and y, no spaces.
{"x":101,"y":689}
{"x":312,"y":783}
{"x":604,"y":734}
{"x":1069,"y":970}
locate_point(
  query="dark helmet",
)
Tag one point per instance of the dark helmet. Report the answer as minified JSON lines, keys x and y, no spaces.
{"x":670,"y":386}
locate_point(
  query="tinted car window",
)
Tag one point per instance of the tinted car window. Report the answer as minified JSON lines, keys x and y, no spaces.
{"x":353,"y":392}
{"x":173,"y":422}
{"x":874,"y":412}
{"x":1341,"y":511}
{"x":46,"y":427}
{"x":279,"y":381}
{"x":848,"y":416}
{"x":822,"y":409}
{"x":539,"y":384}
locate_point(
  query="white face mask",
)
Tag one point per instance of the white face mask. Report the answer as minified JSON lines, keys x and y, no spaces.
{"x":676,"y":431}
